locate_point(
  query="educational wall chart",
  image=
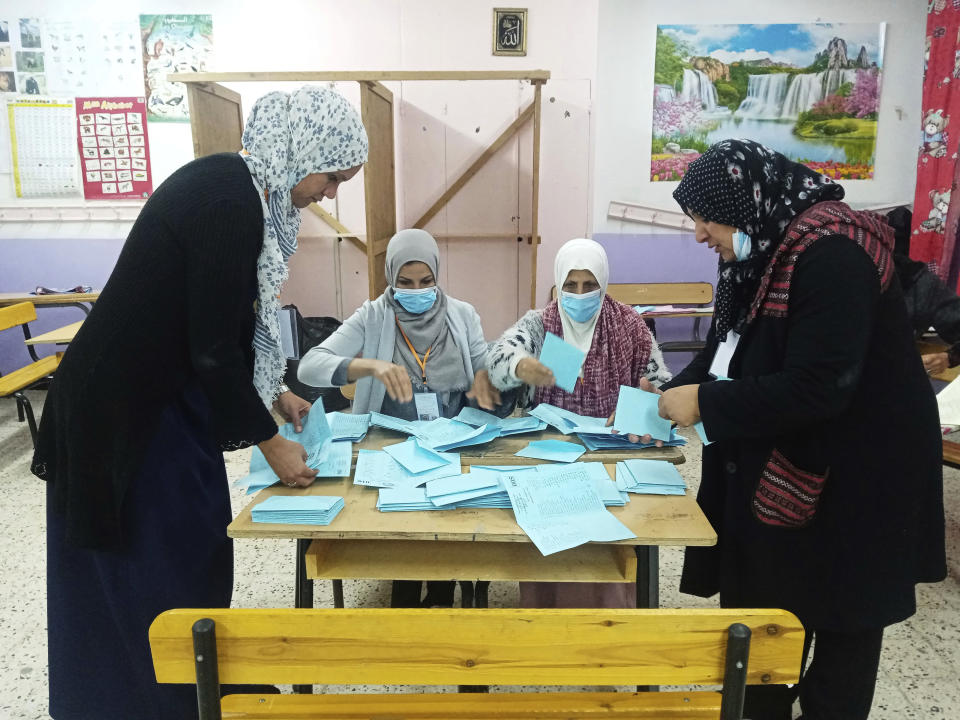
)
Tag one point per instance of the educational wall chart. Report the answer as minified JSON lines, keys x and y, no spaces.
{"x":114,"y":149}
{"x":22,"y":57}
{"x":810,"y":91}
{"x":95,"y":55}
{"x":171,"y":44}
{"x":42,"y":147}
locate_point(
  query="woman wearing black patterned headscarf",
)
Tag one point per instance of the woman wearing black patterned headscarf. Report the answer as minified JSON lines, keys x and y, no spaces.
{"x":822,"y":476}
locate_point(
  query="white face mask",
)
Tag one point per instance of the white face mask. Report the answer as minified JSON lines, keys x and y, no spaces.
{"x":742,"y":245}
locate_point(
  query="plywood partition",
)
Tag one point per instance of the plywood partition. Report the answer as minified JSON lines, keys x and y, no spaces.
{"x":216,"y":118}
{"x":376,"y":109}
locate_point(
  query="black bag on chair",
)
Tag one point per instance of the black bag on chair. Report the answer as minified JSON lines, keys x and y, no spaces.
{"x":310,"y":332}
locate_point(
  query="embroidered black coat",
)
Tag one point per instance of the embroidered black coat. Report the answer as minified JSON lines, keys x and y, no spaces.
{"x":824,"y":479}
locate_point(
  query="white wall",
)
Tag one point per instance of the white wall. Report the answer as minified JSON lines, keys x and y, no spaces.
{"x":626,"y":44}
{"x":460,"y":120}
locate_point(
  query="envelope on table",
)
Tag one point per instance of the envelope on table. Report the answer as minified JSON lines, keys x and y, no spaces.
{"x":556,"y":450}
{"x":638,"y":414}
{"x":563,"y":359}
{"x":415,"y":458}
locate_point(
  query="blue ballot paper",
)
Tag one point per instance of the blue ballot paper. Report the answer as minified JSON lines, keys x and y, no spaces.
{"x":638,"y":414}
{"x":563,"y":359}
{"x":651,"y":477}
{"x":346,"y":426}
{"x":297,"y":509}
{"x":337,"y":462}
{"x":506,"y":426}
{"x":565,"y":421}
{"x":701,"y":431}
{"x":556,"y":450}
{"x":597,"y":441}
{"x":393,"y":423}
{"x":415,"y":458}
{"x":375,"y":468}
{"x":444,"y":434}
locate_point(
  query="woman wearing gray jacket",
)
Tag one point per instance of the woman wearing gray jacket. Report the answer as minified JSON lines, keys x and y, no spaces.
{"x":412,"y":340}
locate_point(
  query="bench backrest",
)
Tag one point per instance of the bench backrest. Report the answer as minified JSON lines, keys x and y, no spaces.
{"x":692,"y":293}
{"x":478,"y":647}
{"x":14,"y":315}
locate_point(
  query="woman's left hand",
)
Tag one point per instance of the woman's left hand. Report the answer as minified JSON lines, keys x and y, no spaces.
{"x":292,"y":408}
{"x":484,"y":392}
{"x":681,"y":404}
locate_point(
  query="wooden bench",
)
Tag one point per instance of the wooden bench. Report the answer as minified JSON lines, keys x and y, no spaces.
{"x":731,"y":648}
{"x":14,"y":383}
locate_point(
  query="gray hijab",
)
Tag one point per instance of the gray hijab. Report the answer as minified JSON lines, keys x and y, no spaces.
{"x":429,"y":330}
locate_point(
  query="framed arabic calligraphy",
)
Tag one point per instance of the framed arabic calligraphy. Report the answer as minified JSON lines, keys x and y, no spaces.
{"x":509,"y":31}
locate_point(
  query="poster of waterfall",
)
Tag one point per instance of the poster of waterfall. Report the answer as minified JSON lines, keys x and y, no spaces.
{"x":810,"y":91}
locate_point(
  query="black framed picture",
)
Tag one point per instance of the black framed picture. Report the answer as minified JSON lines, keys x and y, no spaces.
{"x":509,"y":31}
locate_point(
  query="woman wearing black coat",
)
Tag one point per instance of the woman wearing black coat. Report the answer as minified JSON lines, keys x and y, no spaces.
{"x":823,"y":477}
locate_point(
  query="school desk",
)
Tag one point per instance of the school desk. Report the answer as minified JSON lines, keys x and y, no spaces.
{"x":476,"y":544}
{"x":60,"y":336}
{"x":84,"y":301}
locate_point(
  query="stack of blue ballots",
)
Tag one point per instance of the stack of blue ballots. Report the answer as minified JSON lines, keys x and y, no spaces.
{"x":298,"y":509}
{"x":482,"y":488}
{"x":506,"y":426}
{"x":348,"y":427}
{"x":328,"y":458}
{"x":376,"y":468}
{"x":565,"y":421}
{"x":594,"y":431}
{"x":442,"y":434}
{"x":611,"y":441}
{"x":650,"y":477}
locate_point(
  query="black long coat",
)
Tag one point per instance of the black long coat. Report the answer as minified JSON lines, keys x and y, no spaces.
{"x":824,"y":480}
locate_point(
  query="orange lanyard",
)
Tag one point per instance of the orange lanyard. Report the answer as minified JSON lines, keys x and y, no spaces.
{"x":421,"y":363}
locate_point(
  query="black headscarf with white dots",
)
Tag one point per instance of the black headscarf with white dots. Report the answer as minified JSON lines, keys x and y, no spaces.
{"x":758,"y":191}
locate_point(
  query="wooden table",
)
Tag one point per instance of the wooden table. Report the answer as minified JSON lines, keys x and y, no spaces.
{"x":471,"y":543}
{"x":60,"y":336}
{"x":84,"y":301}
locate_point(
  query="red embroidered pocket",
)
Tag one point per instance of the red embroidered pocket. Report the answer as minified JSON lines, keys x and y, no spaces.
{"x":786,"y":496}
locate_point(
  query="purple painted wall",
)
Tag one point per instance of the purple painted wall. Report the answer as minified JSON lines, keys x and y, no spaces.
{"x":28,"y":262}
{"x":674,"y":257}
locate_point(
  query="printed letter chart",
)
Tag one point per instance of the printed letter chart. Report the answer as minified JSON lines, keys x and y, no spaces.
{"x":41,"y":145}
{"x":112,"y":133}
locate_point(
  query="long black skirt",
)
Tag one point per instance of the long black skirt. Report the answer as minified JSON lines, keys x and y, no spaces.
{"x":177,"y":555}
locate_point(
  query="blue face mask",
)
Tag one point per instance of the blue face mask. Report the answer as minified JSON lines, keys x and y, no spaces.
{"x":416,"y":301}
{"x":581,"y":308}
{"x":742,"y":244}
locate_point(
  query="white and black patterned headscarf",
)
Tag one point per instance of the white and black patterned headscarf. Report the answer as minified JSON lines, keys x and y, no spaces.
{"x":289,"y":136}
{"x":758,"y":191}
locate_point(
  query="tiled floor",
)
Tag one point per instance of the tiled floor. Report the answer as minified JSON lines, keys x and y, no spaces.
{"x":920,"y":667}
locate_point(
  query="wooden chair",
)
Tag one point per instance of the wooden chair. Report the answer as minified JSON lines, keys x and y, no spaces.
{"x":14,"y":383}
{"x":731,"y":648}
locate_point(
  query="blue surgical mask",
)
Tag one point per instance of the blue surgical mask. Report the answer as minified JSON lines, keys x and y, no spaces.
{"x":416,"y":301}
{"x":742,"y":244}
{"x":581,"y":308}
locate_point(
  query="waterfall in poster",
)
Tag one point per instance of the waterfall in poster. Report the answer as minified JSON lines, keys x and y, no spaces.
{"x":698,"y":87}
{"x":780,"y":96}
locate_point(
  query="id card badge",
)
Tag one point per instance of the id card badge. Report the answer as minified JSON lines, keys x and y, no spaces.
{"x":720,"y":367}
{"x":428,"y":407}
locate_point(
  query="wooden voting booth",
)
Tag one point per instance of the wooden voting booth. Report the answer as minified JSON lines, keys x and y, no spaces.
{"x":216,"y":120}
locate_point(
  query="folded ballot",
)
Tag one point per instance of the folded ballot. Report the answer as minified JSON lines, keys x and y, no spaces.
{"x":298,"y":509}
{"x":375,"y":468}
{"x":506,"y":426}
{"x":650,"y":477}
{"x":554,"y":450}
{"x":444,"y":434}
{"x":348,"y":427}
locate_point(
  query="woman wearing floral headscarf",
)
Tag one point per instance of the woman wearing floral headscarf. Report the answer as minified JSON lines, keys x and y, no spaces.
{"x":823,"y":476}
{"x":179,"y":360}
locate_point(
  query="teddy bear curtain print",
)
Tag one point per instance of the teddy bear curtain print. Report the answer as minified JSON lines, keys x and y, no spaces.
{"x":934,"y":232}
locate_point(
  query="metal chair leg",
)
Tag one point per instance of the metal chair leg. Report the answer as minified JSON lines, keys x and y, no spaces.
{"x":25,"y":409}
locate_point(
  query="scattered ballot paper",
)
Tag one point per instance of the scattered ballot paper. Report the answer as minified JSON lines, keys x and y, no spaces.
{"x":563,"y":359}
{"x":375,"y":468}
{"x":604,"y":441}
{"x":415,"y":458}
{"x":638,"y":414}
{"x":348,"y":427}
{"x":556,"y":450}
{"x":297,"y":509}
{"x":561,"y":509}
{"x":506,"y":426}
{"x":650,"y":477}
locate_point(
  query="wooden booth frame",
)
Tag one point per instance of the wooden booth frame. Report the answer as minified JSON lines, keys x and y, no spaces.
{"x":216,"y":122}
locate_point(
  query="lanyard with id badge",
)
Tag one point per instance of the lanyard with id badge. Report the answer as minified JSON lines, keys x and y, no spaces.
{"x":428,"y":405}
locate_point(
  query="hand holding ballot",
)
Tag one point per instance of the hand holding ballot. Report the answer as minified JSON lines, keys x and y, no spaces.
{"x":533,"y":372}
{"x":646,"y":439}
{"x":681,"y":405}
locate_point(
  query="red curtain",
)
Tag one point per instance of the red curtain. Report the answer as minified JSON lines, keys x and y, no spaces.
{"x":934,"y":231}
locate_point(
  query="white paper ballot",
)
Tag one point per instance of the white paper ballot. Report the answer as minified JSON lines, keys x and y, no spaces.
{"x":948,"y":403}
{"x":560,"y":510}
{"x":720,"y":367}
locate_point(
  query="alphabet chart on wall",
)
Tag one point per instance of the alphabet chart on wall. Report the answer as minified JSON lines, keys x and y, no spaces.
{"x":114,"y":150}
{"x":42,"y":147}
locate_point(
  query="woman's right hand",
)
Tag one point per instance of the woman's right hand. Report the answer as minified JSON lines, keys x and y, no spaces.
{"x":533,"y":372}
{"x":288,"y":460}
{"x":646,"y":386}
{"x":394,"y":378}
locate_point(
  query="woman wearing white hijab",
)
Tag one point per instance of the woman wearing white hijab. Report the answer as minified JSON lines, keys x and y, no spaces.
{"x":179,"y":360}
{"x":620,"y":350}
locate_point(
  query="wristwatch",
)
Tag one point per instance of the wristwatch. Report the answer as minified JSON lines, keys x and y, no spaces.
{"x":283,"y":389}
